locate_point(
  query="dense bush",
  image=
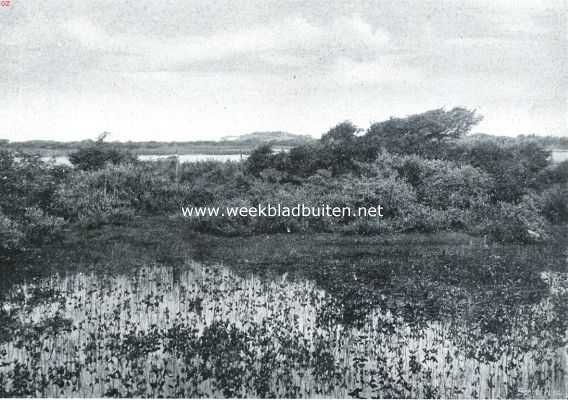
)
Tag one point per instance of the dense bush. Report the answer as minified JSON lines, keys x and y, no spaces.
{"x":27,"y":188}
{"x":514,"y":167}
{"x":422,"y":170}
{"x":259,"y":159}
{"x":431,"y":134}
{"x":26,"y":181}
{"x":554,"y":204}
{"x":117,"y":192}
{"x":520,"y":222}
{"x":12,"y":237}
{"x":210,"y":180}
{"x":443,"y":184}
{"x":553,"y":175}
{"x":98,"y":155}
{"x":418,"y":194}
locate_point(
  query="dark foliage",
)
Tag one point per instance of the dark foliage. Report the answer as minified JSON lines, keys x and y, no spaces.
{"x":424,"y":134}
{"x":98,"y":155}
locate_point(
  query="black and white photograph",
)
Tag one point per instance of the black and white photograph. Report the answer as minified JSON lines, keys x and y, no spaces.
{"x":284,"y":199}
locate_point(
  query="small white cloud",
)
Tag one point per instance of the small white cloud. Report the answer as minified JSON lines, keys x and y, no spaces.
{"x":384,"y":71}
{"x":356,"y":33}
{"x":89,"y":35}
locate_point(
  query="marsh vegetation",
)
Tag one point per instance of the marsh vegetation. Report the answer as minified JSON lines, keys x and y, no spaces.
{"x":316,"y":316}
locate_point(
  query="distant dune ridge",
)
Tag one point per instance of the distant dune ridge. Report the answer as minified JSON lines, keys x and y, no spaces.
{"x":275,"y":137}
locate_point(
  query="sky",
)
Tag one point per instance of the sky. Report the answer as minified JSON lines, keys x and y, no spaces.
{"x":203,"y":69}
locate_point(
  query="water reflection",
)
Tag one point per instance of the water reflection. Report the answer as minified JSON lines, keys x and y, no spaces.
{"x":183,"y":158}
{"x":205,"y":330}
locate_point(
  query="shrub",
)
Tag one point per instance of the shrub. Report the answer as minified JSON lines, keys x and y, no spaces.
{"x":27,"y":187}
{"x":98,"y":155}
{"x":422,"y":219}
{"x":259,"y":159}
{"x":83,"y":199}
{"x":304,"y":160}
{"x":514,"y":167}
{"x":25,"y":236}
{"x":116,"y":193}
{"x":12,"y":237}
{"x":520,"y":222}
{"x":439,"y":184}
{"x":211,"y":180}
{"x":454,"y":187}
{"x":26,"y":182}
{"x":224,"y":225}
{"x":41,"y":228}
{"x":554,"y":204}
{"x":553,"y":175}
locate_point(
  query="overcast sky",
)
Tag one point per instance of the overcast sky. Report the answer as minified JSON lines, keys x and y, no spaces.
{"x":202,"y":69}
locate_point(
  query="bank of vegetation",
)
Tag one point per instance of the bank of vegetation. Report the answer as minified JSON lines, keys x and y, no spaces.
{"x":242,"y":144}
{"x":424,"y":169}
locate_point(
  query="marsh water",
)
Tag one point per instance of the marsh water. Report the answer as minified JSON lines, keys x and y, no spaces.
{"x":557,"y":157}
{"x":428,"y":322}
{"x":183,"y":158}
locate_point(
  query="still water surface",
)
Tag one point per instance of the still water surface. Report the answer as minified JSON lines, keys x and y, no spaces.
{"x":557,"y":156}
{"x":64,"y":160}
{"x":205,"y":330}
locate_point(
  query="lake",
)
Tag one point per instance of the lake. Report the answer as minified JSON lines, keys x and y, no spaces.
{"x":64,"y":160}
{"x":370,"y":320}
{"x":557,"y":156}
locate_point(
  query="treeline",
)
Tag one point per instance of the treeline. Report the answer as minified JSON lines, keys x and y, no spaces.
{"x":47,"y":148}
{"x":421,"y":169}
{"x":239,"y":144}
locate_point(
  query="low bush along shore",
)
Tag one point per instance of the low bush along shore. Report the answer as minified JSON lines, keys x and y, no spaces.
{"x":428,"y":175}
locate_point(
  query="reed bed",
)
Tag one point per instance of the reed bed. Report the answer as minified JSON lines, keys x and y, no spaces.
{"x":199,"y":330}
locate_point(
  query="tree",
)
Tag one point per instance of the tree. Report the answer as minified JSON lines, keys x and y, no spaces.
{"x":259,"y":159}
{"x":425,"y":134}
{"x":341,"y":148}
{"x":98,"y":154}
{"x":342,"y":133}
{"x":301,"y":160}
{"x":96,"y":157}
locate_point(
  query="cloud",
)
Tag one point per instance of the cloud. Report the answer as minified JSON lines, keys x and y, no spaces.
{"x":282,"y":43}
{"x":243,"y":65}
{"x":388,"y":71}
{"x":86,"y":33}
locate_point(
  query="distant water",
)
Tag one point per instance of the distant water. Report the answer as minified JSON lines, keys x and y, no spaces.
{"x":61,"y":160}
{"x":64,"y":160}
{"x":557,"y":156}
{"x":194,"y":157}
